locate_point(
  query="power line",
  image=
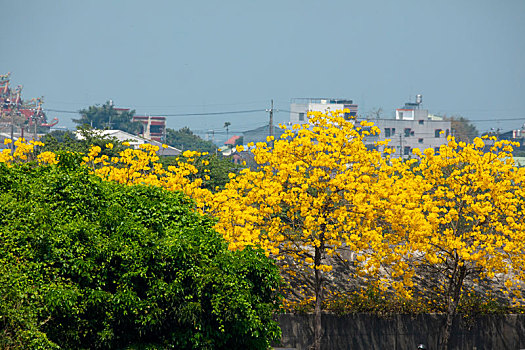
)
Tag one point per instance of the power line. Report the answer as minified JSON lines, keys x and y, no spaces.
{"x":175,"y":114}
{"x":61,"y":111}
{"x":207,"y":113}
{"x":275,"y":110}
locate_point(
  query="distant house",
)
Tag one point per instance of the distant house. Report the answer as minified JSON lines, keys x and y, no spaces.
{"x":260,"y":134}
{"x":135,"y":141}
{"x":516,"y":135}
{"x":233,"y":141}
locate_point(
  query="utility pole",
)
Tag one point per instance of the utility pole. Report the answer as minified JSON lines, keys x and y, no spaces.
{"x":270,"y":132}
{"x":35,"y":118}
{"x":400,"y":145}
{"x":110,"y":111}
{"x":12,"y":127}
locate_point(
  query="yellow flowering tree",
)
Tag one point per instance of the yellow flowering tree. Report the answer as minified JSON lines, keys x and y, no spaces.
{"x":131,"y":166}
{"x":473,"y":199}
{"x":142,"y":166}
{"x":23,"y":152}
{"x":317,"y":191}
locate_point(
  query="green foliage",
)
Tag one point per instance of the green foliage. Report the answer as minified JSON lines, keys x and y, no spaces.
{"x":185,"y":139}
{"x":59,"y":141}
{"x":107,"y":117}
{"x":88,"y":264}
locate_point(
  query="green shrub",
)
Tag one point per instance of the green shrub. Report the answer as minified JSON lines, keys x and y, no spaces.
{"x":89,"y":264}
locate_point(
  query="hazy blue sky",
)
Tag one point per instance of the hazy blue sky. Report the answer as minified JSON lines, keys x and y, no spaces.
{"x":467,"y":57}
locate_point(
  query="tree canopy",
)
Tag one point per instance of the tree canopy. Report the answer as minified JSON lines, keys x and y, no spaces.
{"x":442,"y":226}
{"x":92,"y":264}
{"x":108,"y":117}
{"x":60,"y":141}
{"x":474,"y":203}
{"x":185,"y":139}
{"x":316,"y":193}
{"x":319,"y":191}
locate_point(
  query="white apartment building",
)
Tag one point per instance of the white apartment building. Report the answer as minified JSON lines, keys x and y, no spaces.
{"x":300,"y":107}
{"x":413,"y":127}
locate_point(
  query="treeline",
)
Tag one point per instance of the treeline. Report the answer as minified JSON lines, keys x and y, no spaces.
{"x":91,"y":264}
{"x":351,"y":226}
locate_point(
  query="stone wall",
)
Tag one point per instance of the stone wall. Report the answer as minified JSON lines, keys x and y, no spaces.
{"x":400,"y":332}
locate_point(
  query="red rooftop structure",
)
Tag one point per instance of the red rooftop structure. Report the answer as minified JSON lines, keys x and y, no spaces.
{"x":153,"y":128}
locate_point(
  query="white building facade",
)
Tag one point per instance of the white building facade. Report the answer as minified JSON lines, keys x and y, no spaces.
{"x":412,"y":128}
{"x":300,"y":107}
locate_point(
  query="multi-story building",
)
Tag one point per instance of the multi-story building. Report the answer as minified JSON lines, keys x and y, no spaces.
{"x":153,"y":128}
{"x":413,"y":127}
{"x":300,"y":107}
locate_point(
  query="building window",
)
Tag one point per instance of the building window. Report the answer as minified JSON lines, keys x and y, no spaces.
{"x":387,"y":132}
{"x":301,"y":117}
{"x":420,"y":140}
{"x":156,"y":129}
{"x":393,"y":131}
{"x":406,"y":150}
{"x":421,"y":122}
{"x":437,"y":133}
{"x":407,"y":132}
{"x":447,"y":132}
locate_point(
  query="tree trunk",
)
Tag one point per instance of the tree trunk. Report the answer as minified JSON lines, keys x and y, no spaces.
{"x":453,"y":295}
{"x":318,"y":286}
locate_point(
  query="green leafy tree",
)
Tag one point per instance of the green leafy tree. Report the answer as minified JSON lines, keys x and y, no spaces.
{"x":60,"y":140}
{"x":107,"y":117}
{"x":227,"y":127}
{"x":89,"y":264}
{"x":185,"y":139}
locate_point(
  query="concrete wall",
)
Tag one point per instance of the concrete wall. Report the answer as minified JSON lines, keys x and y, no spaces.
{"x":400,"y":332}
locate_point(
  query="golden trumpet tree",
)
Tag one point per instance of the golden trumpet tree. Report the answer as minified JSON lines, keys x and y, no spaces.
{"x":473,"y":199}
{"x":141,"y":166}
{"x":317,"y":191}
